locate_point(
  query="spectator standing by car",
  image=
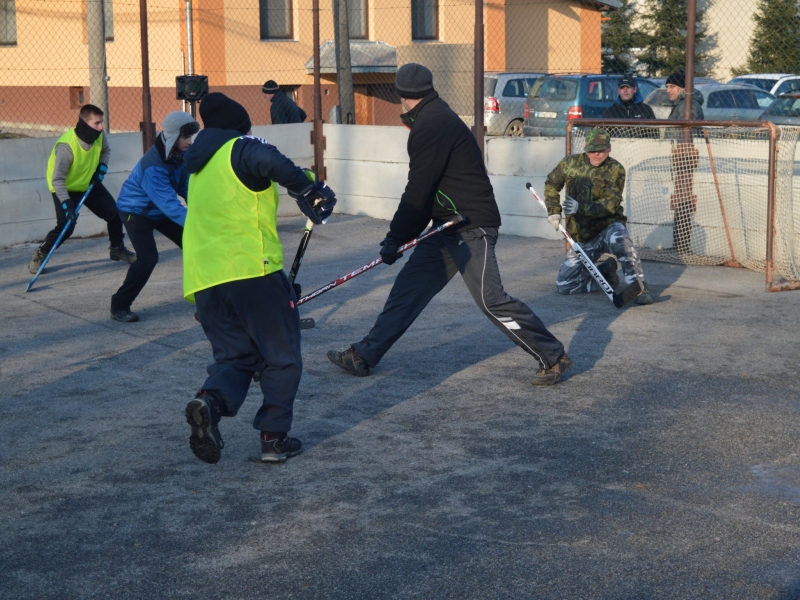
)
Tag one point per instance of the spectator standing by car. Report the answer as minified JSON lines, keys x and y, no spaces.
{"x":594,"y":183}
{"x":148,"y":202}
{"x":283,"y":109}
{"x":684,"y":161}
{"x":79,"y":158}
{"x":447,"y":177}
{"x":629,"y":103}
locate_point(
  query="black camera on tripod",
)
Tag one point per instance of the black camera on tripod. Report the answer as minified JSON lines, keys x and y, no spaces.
{"x":191,"y":87}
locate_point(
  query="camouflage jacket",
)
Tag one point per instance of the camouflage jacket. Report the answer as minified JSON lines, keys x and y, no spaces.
{"x":597,"y":189}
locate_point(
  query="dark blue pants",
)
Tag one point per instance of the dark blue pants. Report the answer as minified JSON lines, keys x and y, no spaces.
{"x":101,"y":203}
{"x":254,"y":326}
{"x":140,"y":232}
{"x":432,"y":264}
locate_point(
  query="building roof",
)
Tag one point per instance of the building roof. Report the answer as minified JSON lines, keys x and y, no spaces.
{"x":365,"y":57}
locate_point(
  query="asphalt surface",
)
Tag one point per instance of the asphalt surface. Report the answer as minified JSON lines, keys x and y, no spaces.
{"x":664,"y":466}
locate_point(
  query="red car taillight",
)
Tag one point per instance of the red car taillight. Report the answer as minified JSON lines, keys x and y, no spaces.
{"x":491,"y":105}
{"x":527,"y":111}
{"x":575,"y":112}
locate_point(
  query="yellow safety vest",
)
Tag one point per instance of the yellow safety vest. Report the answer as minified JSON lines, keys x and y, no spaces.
{"x":84,"y":162}
{"x":231,"y":231}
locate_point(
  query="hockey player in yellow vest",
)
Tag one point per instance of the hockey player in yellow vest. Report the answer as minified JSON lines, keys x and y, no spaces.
{"x":79,"y":157}
{"x":233,"y":271}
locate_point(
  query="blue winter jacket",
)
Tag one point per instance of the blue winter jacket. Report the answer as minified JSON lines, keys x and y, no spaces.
{"x":153,"y":186}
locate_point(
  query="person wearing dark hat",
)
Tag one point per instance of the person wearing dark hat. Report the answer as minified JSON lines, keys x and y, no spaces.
{"x":233,"y":272}
{"x":282,"y":108}
{"x":447,"y":177}
{"x":629,"y":103}
{"x":676,"y":84}
{"x":594,"y":184}
{"x":80,"y":158}
{"x":148,"y":202}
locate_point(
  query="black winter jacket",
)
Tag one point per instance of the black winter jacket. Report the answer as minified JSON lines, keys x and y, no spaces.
{"x":284,"y":110}
{"x":633,"y":109}
{"x":446,"y":173}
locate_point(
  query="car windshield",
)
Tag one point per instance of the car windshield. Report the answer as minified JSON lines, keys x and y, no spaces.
{"x":785,"y":106}
{"x":764,"y":84}
{"x":555,"y":89}
{"x":489,"y":83}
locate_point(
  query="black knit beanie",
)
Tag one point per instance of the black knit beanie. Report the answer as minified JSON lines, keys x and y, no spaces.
{"x":220,"y":112}
{"x":678,"y":79}
{"x":413,"y":81}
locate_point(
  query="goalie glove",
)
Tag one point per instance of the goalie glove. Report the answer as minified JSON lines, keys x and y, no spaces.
{"x":570,"y":206}
{"x":316,"y":201}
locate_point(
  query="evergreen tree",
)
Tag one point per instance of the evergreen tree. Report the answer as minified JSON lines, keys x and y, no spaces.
{"x":618,"y":38}
{"x":664,"y":38}
{"x":775,"y":46}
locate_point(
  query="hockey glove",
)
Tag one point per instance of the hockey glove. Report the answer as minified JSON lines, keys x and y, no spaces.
{"x":389,"y":252}
{"x":69,"y":210}
{"x":554,"y":220}
{"x":100,"y":172}
{"x":570,"y":206}
{"x":316,"y":202}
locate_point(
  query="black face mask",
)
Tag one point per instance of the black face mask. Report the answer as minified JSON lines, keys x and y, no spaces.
{"x":85,"y":133}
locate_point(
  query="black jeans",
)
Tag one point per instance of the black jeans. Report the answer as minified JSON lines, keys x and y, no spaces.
{"x":431,"y":266}
{"x":140,"y":231}
{"x":101,"y":203}
{"x":254,"y":326}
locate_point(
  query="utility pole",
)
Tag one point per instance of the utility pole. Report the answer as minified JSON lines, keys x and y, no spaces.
{"x":98,"y":79}
{"x":344,"y":69}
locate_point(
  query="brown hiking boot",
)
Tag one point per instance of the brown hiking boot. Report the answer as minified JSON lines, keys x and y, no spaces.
{"x":121,"y":253}
{"x":36,"y":261}
{"x":350,"y":361}
{"x":554,"y":373}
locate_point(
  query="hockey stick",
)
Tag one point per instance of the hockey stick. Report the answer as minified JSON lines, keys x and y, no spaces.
{"x":307,"y":323}
{"x":374,"y":263}
{"x":619,"y":300}
{"x":59,"y":238}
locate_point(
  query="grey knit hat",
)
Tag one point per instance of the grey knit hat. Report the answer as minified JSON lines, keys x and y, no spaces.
{"x":413,"y":81}
{"x":174,"y":125}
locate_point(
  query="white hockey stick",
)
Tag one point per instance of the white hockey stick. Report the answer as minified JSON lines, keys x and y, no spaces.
{"x":619,"y":300}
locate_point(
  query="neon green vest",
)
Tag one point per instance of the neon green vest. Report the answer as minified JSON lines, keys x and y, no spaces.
{"x":84,"y":162}
{"x":231,"y":231}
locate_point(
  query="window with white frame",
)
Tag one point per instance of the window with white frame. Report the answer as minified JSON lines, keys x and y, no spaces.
{"x":276,"y":19}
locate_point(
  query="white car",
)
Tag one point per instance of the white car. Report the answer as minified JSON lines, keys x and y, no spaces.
{"x":774,"y":83}
{"x":721,"y":102}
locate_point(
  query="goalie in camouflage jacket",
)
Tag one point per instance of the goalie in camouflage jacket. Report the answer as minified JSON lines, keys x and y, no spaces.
{"x":594,"y":183}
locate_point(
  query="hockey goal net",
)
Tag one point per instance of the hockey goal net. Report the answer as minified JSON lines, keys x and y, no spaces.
{"x":719,"y":194}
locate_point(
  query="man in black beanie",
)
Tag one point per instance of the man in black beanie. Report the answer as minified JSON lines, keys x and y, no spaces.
{"x":447,"y":177}
{"x":282,"y":108}
{"x":676,"y":84}
{"x":233,"y":271}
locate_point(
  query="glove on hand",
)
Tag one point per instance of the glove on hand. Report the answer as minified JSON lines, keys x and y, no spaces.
{"x":297,"y":290}
{"x":570,"y":206}
{"x":316,"y":202}
{"x":389,"y":252}
{"x":100,"y":172}
{"x":69,"y":211}
{"x":554,"y":220}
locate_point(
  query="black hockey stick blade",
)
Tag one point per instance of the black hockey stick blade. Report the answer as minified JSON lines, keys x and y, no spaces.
{"x":308,"y":323}
{"x":629,"y":293}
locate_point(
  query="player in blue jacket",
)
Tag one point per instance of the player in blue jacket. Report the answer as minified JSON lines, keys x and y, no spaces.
{"x":149,"y":202}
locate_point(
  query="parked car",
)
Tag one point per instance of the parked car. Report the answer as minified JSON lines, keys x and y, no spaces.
{"x":785,"y":110}
{"x":662,"y":81}
{"x":556,"y":99}
{"x":774,"y":83}
{"x":721,"y":102}
{"x":504,"y":96}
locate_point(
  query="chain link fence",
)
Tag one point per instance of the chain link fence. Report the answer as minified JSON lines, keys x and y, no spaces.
{"x":57,"y":55}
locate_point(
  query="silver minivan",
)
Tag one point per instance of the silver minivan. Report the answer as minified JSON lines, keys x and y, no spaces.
{"x":504,"y":96}
{"x":721,"y":102}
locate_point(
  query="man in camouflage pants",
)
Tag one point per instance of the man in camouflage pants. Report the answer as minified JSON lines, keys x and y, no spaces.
{"x":594,"y":182}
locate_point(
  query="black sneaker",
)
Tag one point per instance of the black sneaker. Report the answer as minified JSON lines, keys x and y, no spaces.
{"x":121,"y":253}
{"x":124,"y":315}
{"x":277,"y":447}
{"x":554,"y":373}
{"x":203,"y":415}
{"x":608,"y":269}
{"x":645,"y":297}
{"x":36,"y":261}
{"x":350,"y":360}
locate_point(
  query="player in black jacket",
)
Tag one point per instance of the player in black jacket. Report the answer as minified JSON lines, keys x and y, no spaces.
{"x":447,"y":177}
{"x":629,"y":104}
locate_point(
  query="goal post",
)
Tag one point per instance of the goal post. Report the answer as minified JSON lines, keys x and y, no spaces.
{"x":708,"y":192}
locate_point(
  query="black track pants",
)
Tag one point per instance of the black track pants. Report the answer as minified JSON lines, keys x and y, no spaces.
{"x":432,"y":264}
{"x":254,"y":326}
{"x":101,"y":203}
{"x":140,"y":232}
